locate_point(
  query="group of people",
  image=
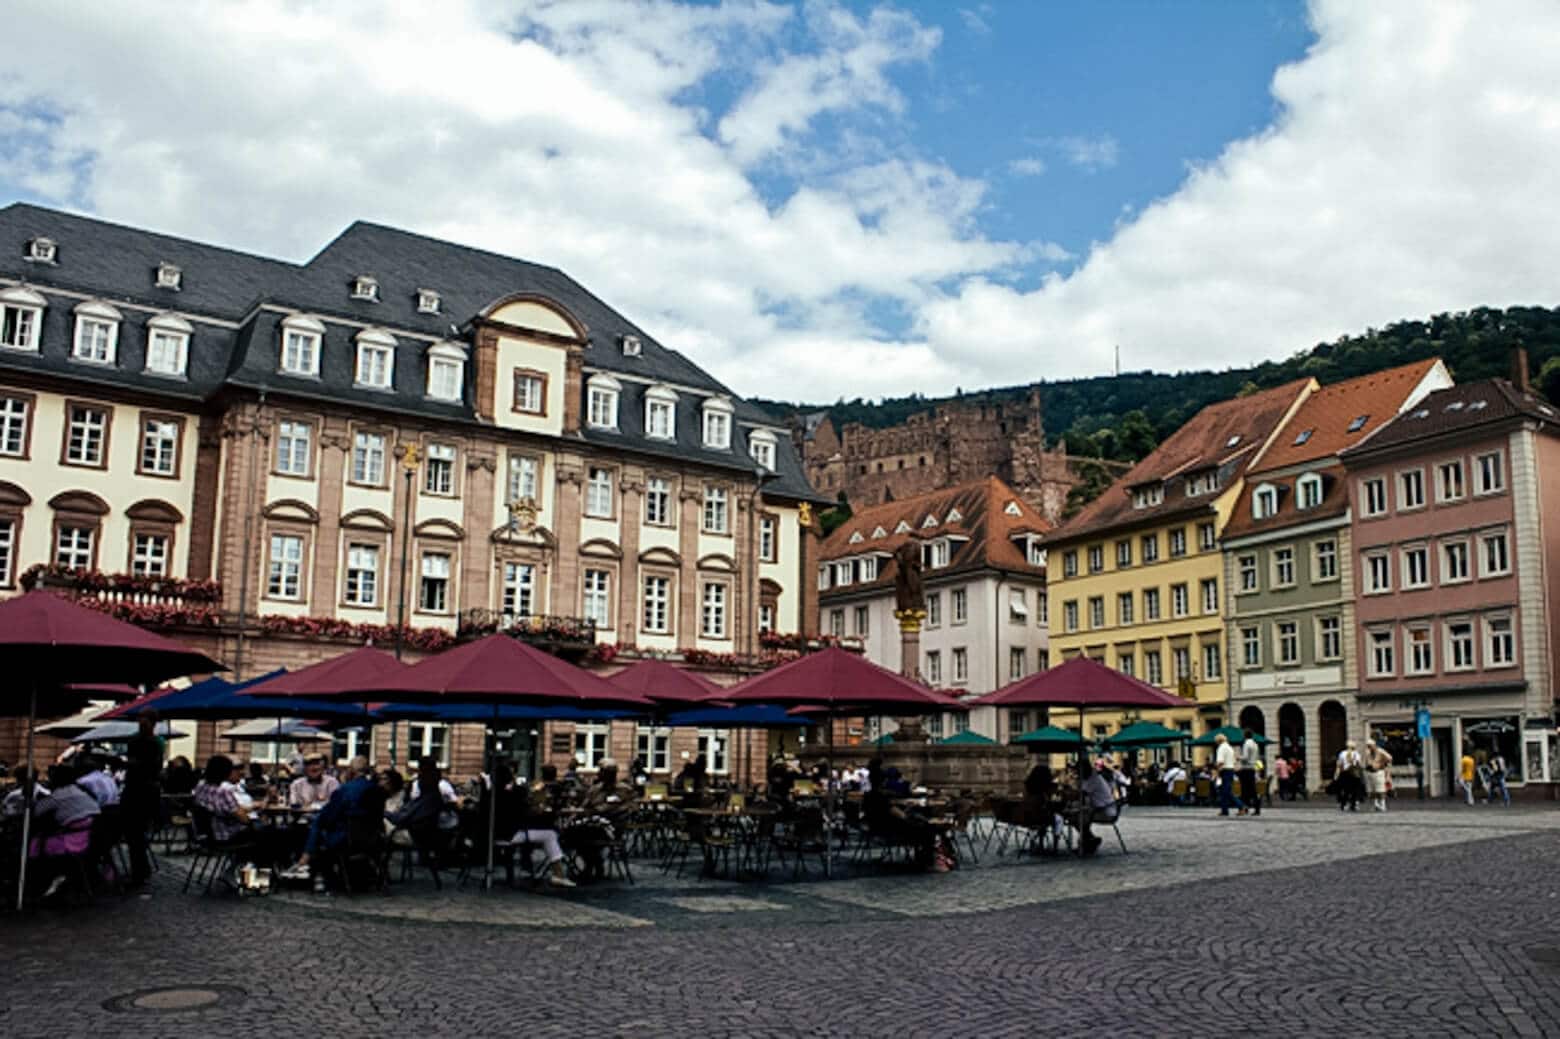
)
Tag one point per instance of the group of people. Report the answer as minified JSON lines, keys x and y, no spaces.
{"x":1230,"y":765}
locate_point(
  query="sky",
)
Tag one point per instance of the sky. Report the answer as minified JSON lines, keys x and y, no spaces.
{"x":828,"y":200}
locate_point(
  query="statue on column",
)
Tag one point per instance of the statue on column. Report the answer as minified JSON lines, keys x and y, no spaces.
{"x":909,"y":595}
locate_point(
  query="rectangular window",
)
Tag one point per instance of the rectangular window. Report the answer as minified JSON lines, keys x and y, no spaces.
{"x":1177,"y":542}
{"x":1126,"y":663}
{"x":596,"y":598}
{"x":530,"y":392}
{"x":1149,"y":548}
{"x":1324,"y":559}
{"x":95,"y":340}
{"x":1419,"y":654}
{"x":1180,"y":601}
{"x":1247,"y":568}
{"x":1017,"y":660}
{"x":1097,"y":611}
{"x":1213,"y":662}
{"x":1210,"y":595}
{"x":659,"y":416}
{"x":1374,"y":493}
{"x":654,"y":747}
{"x":285,"y":577}
{"x":522,"y":484}
{"x":1459,"y":645}
{"x":590,"y":745}
{"x":368,"y":459}
{"x":1070,"y":615}
{"x":375,"y":364}
{"x":658,"y":606}
{"x":165,"y":352}
{"x":1153,"y":667}
{"x":86,"y":436}
{"x":766,"y":617}
{"x":1123,"y":554}
{"x":1382,"y":663}
{"x":1494,"y":559}
{"x":717,"y":430}
{"x":1181,"y":661}
{"x":301,"y":353}
{"x":1491,"y":474}
{"x":1329,"y":638}
{"x":149,"y":555}
{"x":598,"y":493}
{"x":1096,"y":559}
{"x":518,"y":592}
{"x":7,"y":553}
{"x":1378,"y":573}
{"x":862,"y":619}
{"x":1207,"y":538}
{"x":601,"y":412}
{"x":1310,"y":488}
{"x":15,"y":417}
{"x":1070,"y":563}
{"x":425,"y":740}
{"x":362,"y":575}
{"x":1416,"y":567}
{"x":933,"y":668}
{"x":933,"y":609}
{"x":712,"y":615}
{"x":293,"y":447}
{"x":439,"y":470}
{"x":445,"y":375}
{"x":1250,"y":647}
{"x":959,"y":605}
{"x":159,"y":447}
{"x":837,"y":623}
{"x":1124,"y":608}
{"x":769,"y":539}
{"x":1288,"y":638}
{"x":1043,"y":615}
{"x":1500,"y":645}
{"x":961,"y":665}
{"x":1411,"y":489}
{"x":1454,"y":561}
{"x":715,"y":518}
{"x":19,"y":327}
{"x":1283,"y":567}
{"x":1449,"y":480}
{"x":1151,"y":604}
{"x":658,"y":502}
{"x":433,"y":592}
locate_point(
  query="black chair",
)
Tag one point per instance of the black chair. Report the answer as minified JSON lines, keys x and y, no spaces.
{"x":803,"y":836}
{"x":434,"y":849}
{"x":212,"y":858}
{"x":364,"y":854}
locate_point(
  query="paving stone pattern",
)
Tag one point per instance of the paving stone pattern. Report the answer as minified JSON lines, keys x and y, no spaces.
{"x":1425,"y":922}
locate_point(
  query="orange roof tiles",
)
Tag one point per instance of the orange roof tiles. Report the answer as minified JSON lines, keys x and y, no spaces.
{"x":1329,"y":412}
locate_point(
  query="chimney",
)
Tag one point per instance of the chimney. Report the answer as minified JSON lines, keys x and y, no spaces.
{"x":1519,"y":369}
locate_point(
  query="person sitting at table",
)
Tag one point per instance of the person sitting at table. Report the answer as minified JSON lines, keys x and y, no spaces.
{"x":16,"y":800}
{"x":355,"y":807}
{"x":179,"y":777}
{"x":517,"y":821}
{"x":694,"y":777}
{"x":1174,"y":774}
{"x":606,"y":807}
{"x":449,"y":815}
{"x":95,"y":780}
{"x":781,"y":781}
{"x":1038,"y":808}
{"x":1098,"y":805}
{"x":256,"y":783}
{"x":63,"y":822}
{"x":314,"y":787}
{"x":219,"y":793}
{"x":887,"y":821}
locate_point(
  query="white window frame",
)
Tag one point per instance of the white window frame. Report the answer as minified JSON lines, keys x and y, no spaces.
{"x":1148,"y":548}
{"x":1177,"y":539}
{"x":602,"y":393}
{"x":1123,"y":553}
{"x":1264,"y":502}
{"x":934,"y":667}
{"x":933,"y":609}
{"x":1489,"y":479}
{"x":439,"y":470}
{"x":1487,"y":538}
{"x":1018,"y":662}
{"x":1124,"y":609}
{"x":1250,"y":646}
{"x":93,"y":435}
{"x":959,"y":658}
{"x":375,"y":365}
{"x":369,"y":450}
{"x":1329,"y":638}
{"x":1324,"y":560}
{"x":95,"y":317}
{"x":446,"y":373}
{"x":1508,"y":657}
{"x":1377,"y":582}
{"x":596,"y":597}
{"x":1153,"y":667}
{"x":592,"y":744}
{"x":1411,"y":489}
{"x":523,"y":478}
{"x":1380,"y":642}
{"x":1452,"y":550}
{"x":1207,"y":537}
{"x":1208,"y":588}
{"x":1180,"y":600}
{"x":1284,"y":566}
{"x":1308,"y":492}
{"x":653,"y":745}
{"x":21,"y":311}
{"x":769,"y":541}
{"x":73,"y":546}
{"x":168,"y":342}
{"x":1248,"y":573}
{"x":1373,"y":496}
{"x":517,"y":591}
{"x":959,"y":605}
{"x":716,"y":424}
{"x":159,"y":446}
{"x":1096,"y":612}
{"x":1418,"y":652}
{"x":284,"y":567}
{"x":1096,"y":559}
{"x":1445,"y":491}
{"x":302,"y":339}
{"x":15,"y":424}
{"x":1070,"y":615}
{"x":1213,"y":662}
{"x":1181,"y":662}
{"x":1456,"y":645}
{"x":1286,"y":643}
{"x":712,"y":609}
{"x":294,"y":447}
{"x":716,"y":512}
{"x":761,"y":446}
{"x":149,"y":554}
{"x":360,"y":575}
{"x":434,"y":577}
{"x":7,"y":551}
{"x":660,"y":413}
{"x":656,"y":604}
{"x":1406,"y":559}
{"x":1151,"y":610}
{"x":658,"y":502}
{"x":599,"y":502}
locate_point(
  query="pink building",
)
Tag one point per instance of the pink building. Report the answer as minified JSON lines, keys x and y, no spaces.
{"x":1454,"y":525}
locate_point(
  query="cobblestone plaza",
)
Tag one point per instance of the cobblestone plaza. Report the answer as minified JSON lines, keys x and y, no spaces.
{"x":1426,"y":921}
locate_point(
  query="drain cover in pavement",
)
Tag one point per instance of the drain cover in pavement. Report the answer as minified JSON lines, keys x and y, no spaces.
{"x":173,"y":1000}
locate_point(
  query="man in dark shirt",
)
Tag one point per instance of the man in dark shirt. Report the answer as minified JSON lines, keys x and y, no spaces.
{"x":141,"y":800}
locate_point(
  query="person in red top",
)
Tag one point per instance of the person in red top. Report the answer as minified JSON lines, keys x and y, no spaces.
{"x":1281,"y":773}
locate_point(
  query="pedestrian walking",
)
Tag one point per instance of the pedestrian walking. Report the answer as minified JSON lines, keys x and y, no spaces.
{"x":1224,"y":765}
{"x":1378,"y":765}
{"x":141,"y":801}
{"x":1346,"y":778}
{"x":1466,"y":771}
{"x":1281,"y":777}
{"x":1497,"y":784}
{"x":1250,"y":753}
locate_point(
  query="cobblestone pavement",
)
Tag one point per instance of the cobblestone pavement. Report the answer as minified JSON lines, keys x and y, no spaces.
{"x":1432,"y":921}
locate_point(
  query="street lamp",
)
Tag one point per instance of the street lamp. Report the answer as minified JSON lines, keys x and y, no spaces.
{"x":411,"y":458}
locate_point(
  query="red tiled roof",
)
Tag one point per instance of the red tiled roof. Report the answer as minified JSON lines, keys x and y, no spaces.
{"x":1329,"y":412}
{"x":1335,"y":502}
{"x":1224,"y":436}
{"x":1458,"y":409}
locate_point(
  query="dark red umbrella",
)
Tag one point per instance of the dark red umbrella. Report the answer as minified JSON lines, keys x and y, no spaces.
{"x":1081,"y":684}
{"x":50,"y":642}
{"x":839,"y":681}
{"x":665,"y":683}
{"x":341,"y":677}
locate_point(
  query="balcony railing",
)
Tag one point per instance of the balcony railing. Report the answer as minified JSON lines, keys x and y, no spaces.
{"x":545,"y":631}
{"x":139,"y":598}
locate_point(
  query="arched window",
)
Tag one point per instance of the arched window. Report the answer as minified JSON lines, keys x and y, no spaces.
{"x":1264,"y":502}
{"x":761,"y":445}
{"x":375,"y":359}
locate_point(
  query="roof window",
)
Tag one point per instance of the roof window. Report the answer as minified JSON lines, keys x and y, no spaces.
{"x":1232,"y":441}
{"x":1455,"y":405}
{"x":1478,"y":405}
{"x":1303,"y":436}
{"x":427,"y":301}
{"x":170,"y":276}
{"x":1358,"y":423}
{"x":1422,"y":413}
{"x":42,"y":250}
{"x":365,"y":287}
{"x":632,"y":347}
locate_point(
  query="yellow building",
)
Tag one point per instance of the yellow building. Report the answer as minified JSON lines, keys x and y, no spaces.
{"x":1136,"y":577}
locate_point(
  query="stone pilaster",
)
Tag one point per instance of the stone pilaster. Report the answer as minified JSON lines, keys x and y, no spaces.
{"x":203,"y":504}
{"x":486,"y":358}
{"x":566,"y":574}
{"x":630,"y":514}
{"x":476,"y":554}
{"x":330,"y":475}
{"x":690,"y":500}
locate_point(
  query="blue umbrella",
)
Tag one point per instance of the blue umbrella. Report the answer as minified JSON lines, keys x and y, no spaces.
{"x":217,"y":699}
{"x":471,"y":712}
{"x":120,"y":732}
{"x":745,"y":716}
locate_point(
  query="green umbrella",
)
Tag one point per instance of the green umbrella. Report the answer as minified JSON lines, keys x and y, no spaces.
{"x":1234,"y":733}
{"x":883,"y":740}
{"x":1143,"y":736}
{"x":967,"y":738}
{"x":1052,"y":739}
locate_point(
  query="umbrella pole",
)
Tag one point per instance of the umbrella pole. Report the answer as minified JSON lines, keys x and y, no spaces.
{"x":32,"y":788}
{"x":828,"y":785}
{"x":487,"y":879}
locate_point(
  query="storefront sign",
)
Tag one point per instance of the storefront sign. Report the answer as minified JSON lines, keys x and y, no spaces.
{"x":1422,"y":722}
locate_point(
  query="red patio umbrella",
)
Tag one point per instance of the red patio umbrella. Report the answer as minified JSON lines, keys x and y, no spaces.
{"x":341,"y":677}
{"x":665,"y":683}
{"x":839,"y":681}
{"x":49,"y":642}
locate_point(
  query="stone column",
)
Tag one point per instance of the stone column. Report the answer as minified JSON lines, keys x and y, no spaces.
{"x":631,"y":487}
{"x":910,"y":666}
{"x":566,"y":574}
{"x":690,"y":499}
{"x":203,"y":503}
{"x":335,"y":446}
{"x":476,"y":554}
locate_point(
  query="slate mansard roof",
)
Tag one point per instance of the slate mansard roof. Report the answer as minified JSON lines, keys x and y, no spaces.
{"x":237,"y":302}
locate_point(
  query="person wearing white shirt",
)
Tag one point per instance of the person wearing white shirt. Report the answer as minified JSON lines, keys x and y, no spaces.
{"x":1173,"y":775}
{"x":1224,"y":763}
{"x":1099,"y":803}
{"x":1250,"y":754}
{"x":1348,"y":778}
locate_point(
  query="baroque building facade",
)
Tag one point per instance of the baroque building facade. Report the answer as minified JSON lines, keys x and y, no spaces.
{"x":400,"y":428}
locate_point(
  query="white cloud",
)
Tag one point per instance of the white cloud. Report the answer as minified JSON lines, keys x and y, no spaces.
{"x":1028,"y":166}
{"x":975,"y":19}
{"x":1408,"y":171}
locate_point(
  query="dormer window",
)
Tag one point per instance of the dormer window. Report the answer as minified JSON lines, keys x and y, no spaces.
{"x":929,"y":522}
{"x":660,"y":413}
{"x":1205,"y":482}
{"x":902,"y":527}
{"x":761,"y":445}
{"x":934,"y":554}
{"x":427,"y":301}
{"x":446,"y":372}
{"x":1308,"y":491}
{"x":717,"y":424}
{"x":602,"y":393}
{"x":1148,"y":496}
{"x":1233,"y":441}
{"x":21,"y":316}
{"x":301,"y":337}
{"x":1036,"y":553}
{"x":365,"y":287}
{"x":954,"y":516}
{"x":170,"y":276}
{"x":1264,"y":503}
{"x":97,"y":333}
{"x":42,"y":250}
{"x":167,"y":345}
{"x":856,"y":538}
{"x":632,"y":347}
{"x":375,"y":359}
{"x":1012,"y":509}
